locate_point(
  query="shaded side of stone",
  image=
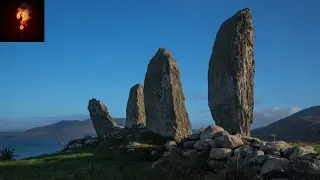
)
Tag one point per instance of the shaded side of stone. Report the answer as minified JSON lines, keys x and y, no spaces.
{"x":164,"y":99}
{"x":102,"y":122}
{"x":135,"y":107}
{"x":231,"y":74}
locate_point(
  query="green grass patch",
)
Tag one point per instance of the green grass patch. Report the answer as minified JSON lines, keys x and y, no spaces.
{"x":316,"y":145}
{"x":80,"y":166}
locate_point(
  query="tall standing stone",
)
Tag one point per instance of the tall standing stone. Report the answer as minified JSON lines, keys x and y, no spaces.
{"x":164,"y":99}
{"x":231,"y":74}
{"x":135,"y":107}
{"x":102,"y":122}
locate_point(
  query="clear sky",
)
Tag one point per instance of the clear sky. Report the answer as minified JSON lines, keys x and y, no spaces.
{"x":100,"y":48}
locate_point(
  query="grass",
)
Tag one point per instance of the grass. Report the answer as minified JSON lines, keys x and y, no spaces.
{"x":75,"y":165}
{"x":316,"y":145}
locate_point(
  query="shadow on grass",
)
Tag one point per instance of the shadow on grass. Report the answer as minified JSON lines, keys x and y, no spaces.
{"x":83,"y":165}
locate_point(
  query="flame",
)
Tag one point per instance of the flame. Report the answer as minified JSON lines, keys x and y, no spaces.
{"x":23,"y":15}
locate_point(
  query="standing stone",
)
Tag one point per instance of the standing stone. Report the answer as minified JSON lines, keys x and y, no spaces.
{"x":164,"y":99}
{"x":102,"y":122}
{"x":135,"y":107}
{"x":231,"y":74}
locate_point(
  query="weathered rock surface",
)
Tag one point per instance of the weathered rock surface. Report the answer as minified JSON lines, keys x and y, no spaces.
{"x":231,"y":74}
{"x":220,"y":153}
{"x":274,"y":164}
{"x":164,"y":99}
{"x":135,"y":107}
{"x":210,"y":132}
{"x":230,"y":141}
{"x":102,"y":122}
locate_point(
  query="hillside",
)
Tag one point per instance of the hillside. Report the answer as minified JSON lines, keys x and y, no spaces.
{"x":65,"y":129}
{"x":301,"y":126}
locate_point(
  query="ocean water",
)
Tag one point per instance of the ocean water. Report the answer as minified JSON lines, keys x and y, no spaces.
{"x":29,"y":147}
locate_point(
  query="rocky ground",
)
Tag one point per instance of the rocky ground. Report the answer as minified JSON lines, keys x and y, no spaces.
{"x":136,"y":153}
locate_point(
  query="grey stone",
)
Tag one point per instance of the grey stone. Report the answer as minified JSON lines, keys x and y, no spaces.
{"x":304,"y":169}
{"x":135,"y":107}
{"x":203,"y":144}
{"x":231,"y":74}
{"x":230,"y":141}
{"x":302,"y":151}
{"x":165,"y":109}
{"x":220,"y":153}
{"x":189,"y":144}
{"x":274,"y":164}
{"x":210,"y":132}
{"x":102,"y":122}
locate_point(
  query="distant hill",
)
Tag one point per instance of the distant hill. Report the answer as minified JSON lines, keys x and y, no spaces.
{"x":301,"y":126}
{"x":61,"y":129}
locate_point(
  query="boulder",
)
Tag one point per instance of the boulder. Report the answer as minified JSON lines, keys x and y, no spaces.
{"x":189,"y":144}
{"x":102,"y":122}
{"x":304,"y":169}
{"x":210,"y":132}
{"x":203,"y":144}
{"x":220,"y":153}
{"x":275,"y":146}
{"x":231,"y":74}
{"x":299,"y":152}
{"x":135,"y":107}
{"x":274,"y":164}
{"x":165,"y":109}
{"x":230,"y":141}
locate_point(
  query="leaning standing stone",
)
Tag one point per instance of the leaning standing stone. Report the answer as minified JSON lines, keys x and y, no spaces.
{"x":164,"y":99}
{"x":135,"y":107}
{"x":102,"y":122}
{"x":231,"y":74}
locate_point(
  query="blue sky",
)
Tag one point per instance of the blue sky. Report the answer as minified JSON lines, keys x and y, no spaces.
{"x":100,"y":48}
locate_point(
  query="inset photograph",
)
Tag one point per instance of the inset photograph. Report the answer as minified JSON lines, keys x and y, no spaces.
{"x":22,"y":21}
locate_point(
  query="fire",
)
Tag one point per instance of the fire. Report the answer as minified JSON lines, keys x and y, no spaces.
{"x":23,"y":15}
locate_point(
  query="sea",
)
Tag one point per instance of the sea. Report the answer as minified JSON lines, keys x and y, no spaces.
{"x":30,"y":147}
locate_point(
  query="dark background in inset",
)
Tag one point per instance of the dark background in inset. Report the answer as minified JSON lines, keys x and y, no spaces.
{"x":9,"y":24}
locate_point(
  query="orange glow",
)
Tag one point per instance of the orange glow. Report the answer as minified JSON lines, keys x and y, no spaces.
{"x":23,"y":15}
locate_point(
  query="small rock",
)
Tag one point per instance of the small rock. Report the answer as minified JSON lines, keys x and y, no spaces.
{"x":304,"y":169}
{"x":260,"y":159}
{"x":275,"y":146}
{"x":257,"y":144}
{"x":230,"y":141}
{"x":210,"y":131}
{"x":221,"y":133}
{"x":301,"y":151}
{"x":276,"y":154}
{"x":274,"y":164}
{"x":220,"y":153}
{"x":203,"y":144}
{"x":90,"y":141}
{"x":189,"y":144}
{"x":215,"y":144}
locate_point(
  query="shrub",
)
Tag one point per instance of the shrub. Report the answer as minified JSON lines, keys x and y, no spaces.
{"x":7,"y":154}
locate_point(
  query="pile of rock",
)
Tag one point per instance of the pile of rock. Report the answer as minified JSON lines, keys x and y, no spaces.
{"x":275,"y":159}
